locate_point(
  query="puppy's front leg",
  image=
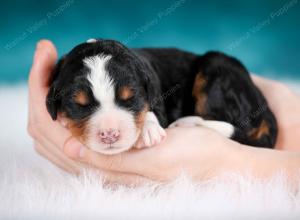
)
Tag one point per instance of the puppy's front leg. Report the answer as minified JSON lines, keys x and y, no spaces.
{"x":152,"y":133}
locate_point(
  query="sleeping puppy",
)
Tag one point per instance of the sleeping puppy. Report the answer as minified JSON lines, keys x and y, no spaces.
{"x":109,"y":96}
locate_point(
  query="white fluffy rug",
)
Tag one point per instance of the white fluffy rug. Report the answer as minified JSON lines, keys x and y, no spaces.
{"x":32,"y":188}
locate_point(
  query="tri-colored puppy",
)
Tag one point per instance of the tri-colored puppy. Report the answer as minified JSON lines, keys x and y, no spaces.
{"x":109,"y":95}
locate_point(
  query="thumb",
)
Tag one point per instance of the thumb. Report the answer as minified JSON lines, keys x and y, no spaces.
{"x":44,"y":60}
{"x":73,"y":148}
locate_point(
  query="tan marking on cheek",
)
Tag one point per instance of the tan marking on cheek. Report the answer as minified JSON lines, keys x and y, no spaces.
{"x":257,"y":133}
{"x":140,"y":118}
{"x":199,"y":95}
{"x":81,"y":98}
{"x":125,"y":93}
{"x":78,"y":129}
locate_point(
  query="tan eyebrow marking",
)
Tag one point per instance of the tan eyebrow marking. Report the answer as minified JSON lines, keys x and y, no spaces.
{"x":125,"y":93}
{"x":81,"y":98}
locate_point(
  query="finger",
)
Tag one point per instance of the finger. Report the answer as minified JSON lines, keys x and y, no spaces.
{"x":42,"y":126}
{"x":58,"y":152}
{"x":129,"y":161}
{"x":43,"y":151}
{"x":55,"y":133}
{"x":44,"y":60}
{"x":72,"y":148}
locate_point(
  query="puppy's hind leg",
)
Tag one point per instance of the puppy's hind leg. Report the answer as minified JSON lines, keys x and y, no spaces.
{"x":224,"y":128}
{"x":188,"y":121}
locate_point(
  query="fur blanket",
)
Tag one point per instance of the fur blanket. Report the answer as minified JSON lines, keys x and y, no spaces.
{"x":32,"y":188}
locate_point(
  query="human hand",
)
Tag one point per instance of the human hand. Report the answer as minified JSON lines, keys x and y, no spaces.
{"x":199,"y":152}
{"x":286,"y":106}
{"x":49,"y":136}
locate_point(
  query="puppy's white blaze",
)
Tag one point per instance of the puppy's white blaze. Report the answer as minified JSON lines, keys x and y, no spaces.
{"x":102,"y":84}
{"x":109,"y":115}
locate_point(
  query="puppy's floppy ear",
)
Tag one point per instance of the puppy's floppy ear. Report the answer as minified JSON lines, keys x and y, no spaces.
{"x":54,"y":95}
{"x":149,"y":79}
{"x":53,"y":101}
{"x":154,"y":96}
{"x":151,"y":87}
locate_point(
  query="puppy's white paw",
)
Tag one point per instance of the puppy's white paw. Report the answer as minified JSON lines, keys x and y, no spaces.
{"x":152,"y":133}
{"x":189,"y":121}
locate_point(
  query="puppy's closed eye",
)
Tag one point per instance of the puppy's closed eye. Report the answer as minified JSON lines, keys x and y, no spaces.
{"x":125,"y":93}
{"x":81,"y":98}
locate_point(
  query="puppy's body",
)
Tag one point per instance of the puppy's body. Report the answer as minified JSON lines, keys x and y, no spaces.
{"x":215,"y":87}
{"x":111,"y":95}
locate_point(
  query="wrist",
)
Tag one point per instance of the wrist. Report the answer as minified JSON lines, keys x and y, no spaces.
{"x":263,"y":163}
{"x":233,"y":158}
{"x":228,"y":158}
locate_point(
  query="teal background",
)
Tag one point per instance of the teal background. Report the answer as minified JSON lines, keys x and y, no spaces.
{"x":265,"y":35}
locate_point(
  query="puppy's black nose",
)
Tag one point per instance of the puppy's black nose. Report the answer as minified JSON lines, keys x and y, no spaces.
{"x":109,"y":136}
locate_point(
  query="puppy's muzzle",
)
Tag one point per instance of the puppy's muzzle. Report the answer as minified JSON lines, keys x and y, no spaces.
{"x":109,"y":136}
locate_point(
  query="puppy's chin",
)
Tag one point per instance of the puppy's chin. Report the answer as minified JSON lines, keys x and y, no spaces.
{"x":111,"y":150}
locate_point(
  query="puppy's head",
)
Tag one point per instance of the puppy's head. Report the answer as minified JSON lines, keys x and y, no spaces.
{"x":100,"y":88}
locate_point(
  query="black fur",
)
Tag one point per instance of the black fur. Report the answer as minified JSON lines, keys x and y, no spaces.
{"x":164,"y":79}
